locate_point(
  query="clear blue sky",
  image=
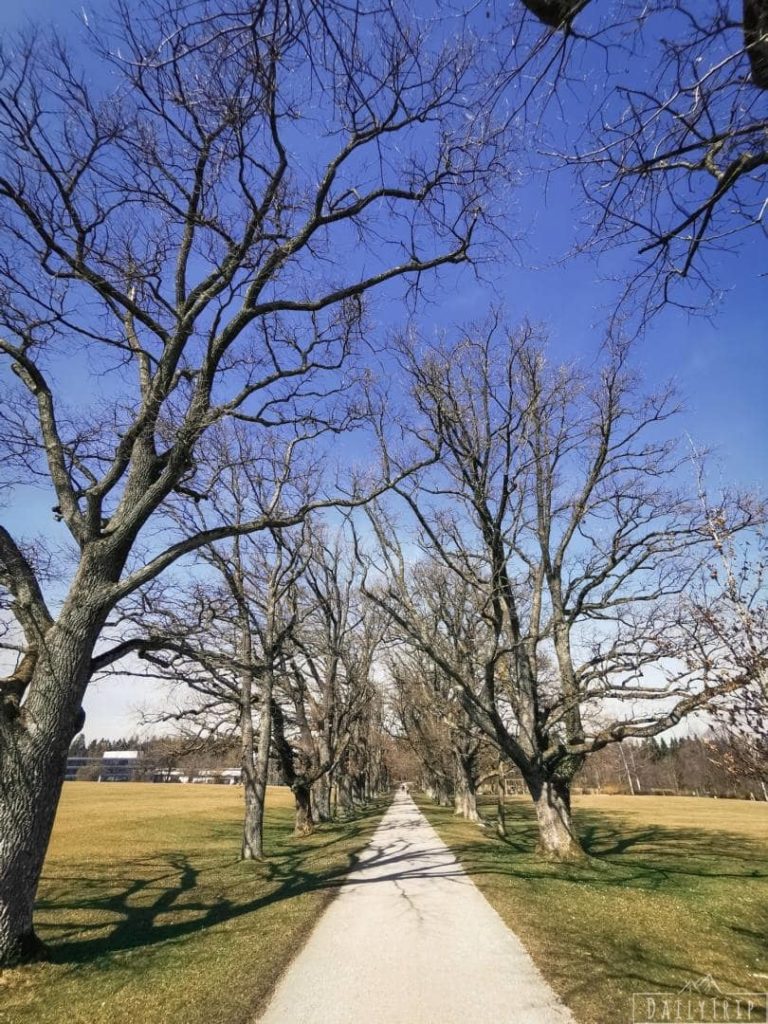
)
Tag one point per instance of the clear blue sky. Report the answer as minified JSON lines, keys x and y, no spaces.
{"x":721,"y":367}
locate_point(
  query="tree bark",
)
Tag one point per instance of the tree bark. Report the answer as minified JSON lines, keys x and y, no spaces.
{"x":501,"y":811}
{"x":255,"y":774}
{"x":321,"y":798}
{"x":552,"y":800}
{"x":358,"y":789}
{"x":30,"y":793}
{"x":252,"y":847}
{"x":465,"y":796}
{"x":34,"y":743}
{"x":299,"y":786}
{"x":305,"y":823}
{"x":441,"y":793}
{"x":346,"y":799}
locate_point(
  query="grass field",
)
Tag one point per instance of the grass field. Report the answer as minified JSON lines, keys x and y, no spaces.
{"x":678,"y":890}
{"x":151,"y":918}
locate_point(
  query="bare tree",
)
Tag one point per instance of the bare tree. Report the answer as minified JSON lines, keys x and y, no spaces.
{"x":442,"y":735}
{"x":165,"y":222}
{"x":677,"y":162}
{"x":729,"y":610}
{"x":325,"y":690}
{"x":219,"y":644}
{"x":364,"y":770}
{"x":557,"y":545}
{"x":664,"y":124}
{"x":220,"y":636}
{"x":427,"y":736}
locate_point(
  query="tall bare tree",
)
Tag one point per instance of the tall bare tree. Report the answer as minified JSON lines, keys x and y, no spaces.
{"x":166,"y":222}
{"x":557,"y":546}
{"x":218,"y":643}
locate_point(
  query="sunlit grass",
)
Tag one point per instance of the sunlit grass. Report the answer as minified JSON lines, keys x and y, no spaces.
{"x":150,"y":917}
{"x":677,"y":889}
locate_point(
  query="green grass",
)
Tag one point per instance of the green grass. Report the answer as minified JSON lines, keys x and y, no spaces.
{"x":678,"y":889}
{"x":150,"y":917}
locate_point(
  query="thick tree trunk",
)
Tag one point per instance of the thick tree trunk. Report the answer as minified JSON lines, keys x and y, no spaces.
{"x":441,"y":794}
{"x":321,"y":798}
{"x":552,"y":800}
{"x":253,"y":822}
{"x":34,"y":742}
{"x":465,"y":795}
{"x":305,"y":823}
{"x":31,"y":786}
{"x":255,"y":773}
{"x":346,"y":799}
{"x":299,"y":787}
{"x":358,"y":789}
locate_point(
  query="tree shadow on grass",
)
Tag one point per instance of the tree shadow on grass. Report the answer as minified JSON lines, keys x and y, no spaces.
{"x":163,"y":899}
{"x":650,"y":852}
{"x":690,"y":869}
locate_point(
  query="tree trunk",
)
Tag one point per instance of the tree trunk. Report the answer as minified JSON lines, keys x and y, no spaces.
{"x":32,"y":782}
{"x":552,"y":800}
{"x":346,"y":800}
{"x":305,"y":823}
{"x":501,"y":811}
{"x":358,"y":789}
{"x":465,"y":796}
{"x":630,"y":783}
{"x":321,"y":798}
{"x":255,"y":774}
{"x":252,"y":847}
{"x":34,"y":743}
{"x":441,"y":794}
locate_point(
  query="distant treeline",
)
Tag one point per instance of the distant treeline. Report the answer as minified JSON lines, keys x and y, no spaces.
{"x":720,"y":765}
{"x":161,"y":754}
{"x":711,"y":765}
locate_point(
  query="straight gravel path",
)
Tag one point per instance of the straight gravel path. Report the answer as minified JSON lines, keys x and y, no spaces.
{"x":411,"y":940}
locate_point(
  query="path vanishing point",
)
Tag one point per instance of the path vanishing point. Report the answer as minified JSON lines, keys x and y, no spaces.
{"x":411,"y":940}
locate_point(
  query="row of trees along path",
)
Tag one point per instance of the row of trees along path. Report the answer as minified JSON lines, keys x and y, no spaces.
{"x":169,"y":232}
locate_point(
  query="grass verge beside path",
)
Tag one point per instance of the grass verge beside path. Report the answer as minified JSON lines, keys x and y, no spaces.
{"x":679,"y":891}
{"x":150,"y":917}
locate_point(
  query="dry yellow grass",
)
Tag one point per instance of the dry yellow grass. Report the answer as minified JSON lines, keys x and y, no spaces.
{"x":151,"y":918}
{"x":677,"y":889}
{"x":742,"y":817}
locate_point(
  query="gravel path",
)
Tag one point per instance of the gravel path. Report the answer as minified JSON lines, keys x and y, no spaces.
{"x":410,"y":940}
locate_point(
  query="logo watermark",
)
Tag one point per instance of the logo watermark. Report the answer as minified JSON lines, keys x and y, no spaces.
{"x":700,"y":1002}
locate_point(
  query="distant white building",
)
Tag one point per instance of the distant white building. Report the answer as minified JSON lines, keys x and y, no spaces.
{"x":119,"y":765}
{"x":111,"y":766}
{"x":217,"y":776}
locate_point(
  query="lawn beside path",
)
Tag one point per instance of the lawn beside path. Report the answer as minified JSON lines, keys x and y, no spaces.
{"x":678,"y":890}
{"x":150,"y":917}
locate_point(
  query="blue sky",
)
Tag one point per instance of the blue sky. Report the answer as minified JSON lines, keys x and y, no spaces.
{"x":720,"y":366}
